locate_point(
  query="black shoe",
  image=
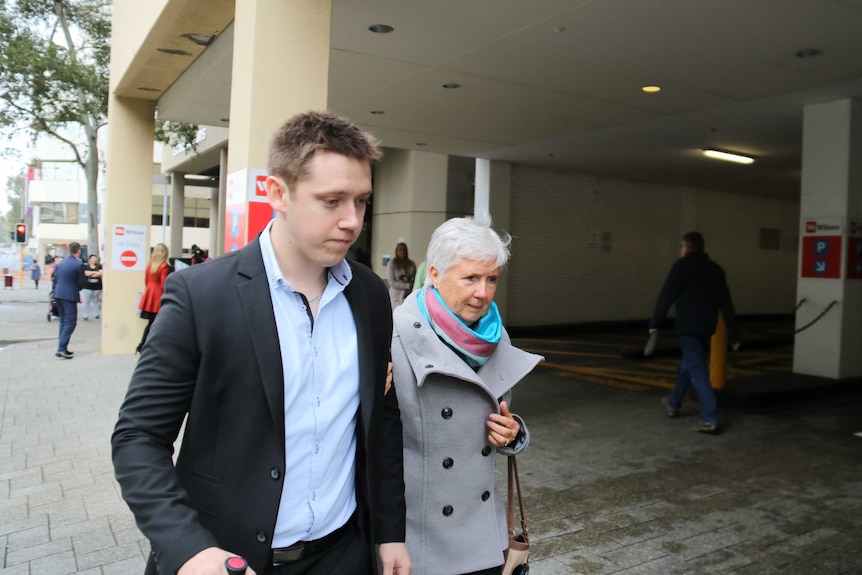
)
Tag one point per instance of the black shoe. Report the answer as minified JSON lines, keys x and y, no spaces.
{"x":704,"y":427}
{"x":70,"y":352}
{"x":64,"y":354}
{"x":671,"y":412}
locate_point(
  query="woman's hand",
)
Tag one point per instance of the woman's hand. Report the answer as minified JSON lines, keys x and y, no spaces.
{"x":503,"y":429}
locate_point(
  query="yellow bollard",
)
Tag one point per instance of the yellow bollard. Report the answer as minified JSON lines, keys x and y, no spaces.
{"x":718,"y":355}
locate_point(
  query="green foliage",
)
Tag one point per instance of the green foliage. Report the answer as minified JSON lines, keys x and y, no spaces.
{"x":54,"y":66}
{"x":177,"y":134}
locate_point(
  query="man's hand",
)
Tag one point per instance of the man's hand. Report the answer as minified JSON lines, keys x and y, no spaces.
{"x":388,"y":378}
{"x":394,"y":558}
{"x":735,"y":346}
{"x":210,"y":561}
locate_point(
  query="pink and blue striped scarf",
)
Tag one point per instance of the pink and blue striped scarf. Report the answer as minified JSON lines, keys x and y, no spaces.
{"x":475,"y":346}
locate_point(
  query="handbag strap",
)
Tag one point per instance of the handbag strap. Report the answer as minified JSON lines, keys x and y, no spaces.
{"x":515,"y":484}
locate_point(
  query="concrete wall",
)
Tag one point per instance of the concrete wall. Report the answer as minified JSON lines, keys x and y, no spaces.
{"x":589,"y":249}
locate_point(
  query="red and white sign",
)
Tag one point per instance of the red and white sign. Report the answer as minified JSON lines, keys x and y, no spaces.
{"x":260,"y":185}
{"x":822,"y":241}
{"x":128,"y":250}
{"x":129,"y":258}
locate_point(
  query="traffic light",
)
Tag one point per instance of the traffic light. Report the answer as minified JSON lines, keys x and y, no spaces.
{"x":20,"y":233}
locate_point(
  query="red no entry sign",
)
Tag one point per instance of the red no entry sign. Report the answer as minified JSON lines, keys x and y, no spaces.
{"x":128,"y":258}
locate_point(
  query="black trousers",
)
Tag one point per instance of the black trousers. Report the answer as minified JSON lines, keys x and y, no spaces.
{"x":351,"y":556}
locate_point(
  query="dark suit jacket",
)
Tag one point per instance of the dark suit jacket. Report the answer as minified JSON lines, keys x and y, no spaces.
{"x":213,"y":353}
{"x":70,"y":279}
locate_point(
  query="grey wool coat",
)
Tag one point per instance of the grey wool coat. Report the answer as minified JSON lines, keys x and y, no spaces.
{"x":456,"y":520}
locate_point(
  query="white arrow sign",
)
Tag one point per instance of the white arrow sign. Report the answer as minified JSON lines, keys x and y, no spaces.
{"x":820,"y":266}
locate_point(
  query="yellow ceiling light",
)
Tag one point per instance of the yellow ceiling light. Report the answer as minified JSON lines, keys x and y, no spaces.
{"x":728,"y":157}
{"x":651,"y":89}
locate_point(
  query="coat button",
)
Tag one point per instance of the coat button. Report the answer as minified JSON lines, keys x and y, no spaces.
{"x":447,"y":511}
{"x":486,"y":451}
{"x":486,"y":495}
{"x":417,"y":325}
{"x":446,"y":413}
{"x":274,"y":473}
{"x":448,"y":463}
{"x":261,"y":537}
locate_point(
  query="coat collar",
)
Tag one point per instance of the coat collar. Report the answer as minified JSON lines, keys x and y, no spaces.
{"x":428,"y":354}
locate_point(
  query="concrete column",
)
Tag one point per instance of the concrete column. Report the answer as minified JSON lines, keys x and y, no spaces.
{"x":214,"y":210}
{"x":280,"y":68}
{"x":178,"y":210}
{"x":409,"y":203}
{"x":831,"y":202}
{"x":217,"y":248}
{"x":128,"y":201}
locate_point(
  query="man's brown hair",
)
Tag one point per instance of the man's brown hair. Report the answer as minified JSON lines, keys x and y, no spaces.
{"x":294,"y":144}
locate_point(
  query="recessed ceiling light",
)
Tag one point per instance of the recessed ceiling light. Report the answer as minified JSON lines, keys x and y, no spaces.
{"x":225,"y":120}
{"x":451,"y":85}
{"x":377,"y":112}
{"x":651,"y":89}
{"x":381,"y":28}
{"x":146,"y":89}
{"x":173,"y":52}
{"x":808,"y":53}
{"x":728,"y":156}
{"x":421,"y":143}
{"x":200,"y":39}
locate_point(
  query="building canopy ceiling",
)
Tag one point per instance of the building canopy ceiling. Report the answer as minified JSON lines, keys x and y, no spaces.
{"x":557,"y":83}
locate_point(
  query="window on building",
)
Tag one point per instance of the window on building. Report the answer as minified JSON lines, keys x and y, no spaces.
{"x":196,"y":213}
{"x":60,"y":171}
{"x":58,"y":213}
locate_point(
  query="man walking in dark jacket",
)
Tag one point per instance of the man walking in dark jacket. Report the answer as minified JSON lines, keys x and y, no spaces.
{"x":699,"y":289}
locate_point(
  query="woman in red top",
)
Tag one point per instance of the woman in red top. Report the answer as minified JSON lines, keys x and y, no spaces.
{"x":154,"y":280}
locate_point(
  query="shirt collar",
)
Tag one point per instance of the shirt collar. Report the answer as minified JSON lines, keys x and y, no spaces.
{"x":340,"y":272}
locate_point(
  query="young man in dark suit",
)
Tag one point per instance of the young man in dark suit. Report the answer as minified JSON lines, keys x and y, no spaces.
{"x":277,"y":355}
{"x":68,"y":280}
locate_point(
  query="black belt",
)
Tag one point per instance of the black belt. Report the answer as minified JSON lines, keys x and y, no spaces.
{"x":303,"y":549}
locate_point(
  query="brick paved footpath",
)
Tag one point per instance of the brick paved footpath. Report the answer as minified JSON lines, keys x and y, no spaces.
{"x":612,"y":485}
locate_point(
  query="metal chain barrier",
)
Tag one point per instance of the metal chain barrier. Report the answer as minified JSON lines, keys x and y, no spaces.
{"x":816,"y":319}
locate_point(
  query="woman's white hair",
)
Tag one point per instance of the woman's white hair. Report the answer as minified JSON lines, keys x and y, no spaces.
{"x":467,"y":238}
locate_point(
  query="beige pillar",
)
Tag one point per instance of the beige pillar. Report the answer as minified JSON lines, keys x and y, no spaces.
{"x":178,"y":210}
{"x":280,"y":68}
{"x":128,"y":201}
{"x":409,"y":203}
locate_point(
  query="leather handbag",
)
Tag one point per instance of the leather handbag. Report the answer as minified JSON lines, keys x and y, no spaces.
{"x":518,"y":554}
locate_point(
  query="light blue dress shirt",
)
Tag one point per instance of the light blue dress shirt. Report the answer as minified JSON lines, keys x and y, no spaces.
{"x":321,"y":400}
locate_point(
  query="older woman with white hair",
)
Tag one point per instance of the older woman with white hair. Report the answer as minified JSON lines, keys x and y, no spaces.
{"x":454,"y":368}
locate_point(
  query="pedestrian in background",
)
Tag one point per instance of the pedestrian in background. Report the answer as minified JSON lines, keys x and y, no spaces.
{"x":698,"y":288}
{"x":401,"y":272}
{"x":92,"y":291}
{"x":35,"y":273}
{"x":454,"y":368}
{"x":68,"y":280}
{"x":154,"y":286}
{"x":275,"y":356}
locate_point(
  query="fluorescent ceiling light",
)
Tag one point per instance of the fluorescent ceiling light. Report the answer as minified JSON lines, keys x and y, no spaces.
{"x":197,"y":177}
{"x":728,"y":157}
{"x":651,"y":89}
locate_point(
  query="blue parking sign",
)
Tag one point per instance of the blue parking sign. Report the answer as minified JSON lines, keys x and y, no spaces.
{"x":821,"y":247}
